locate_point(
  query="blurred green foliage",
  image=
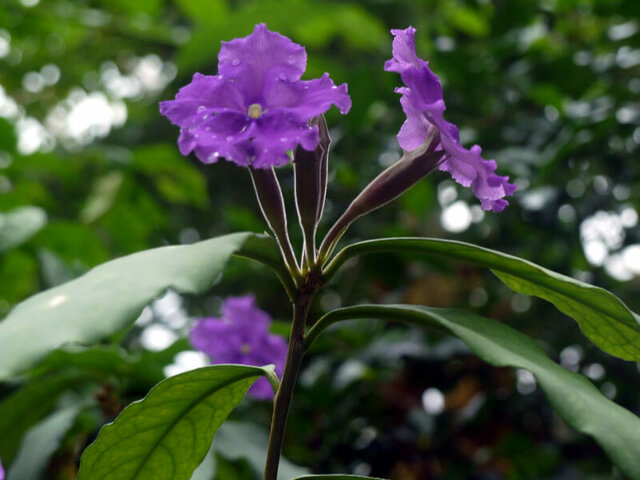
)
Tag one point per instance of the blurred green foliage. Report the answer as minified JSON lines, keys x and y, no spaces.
{"x":549,"y":88}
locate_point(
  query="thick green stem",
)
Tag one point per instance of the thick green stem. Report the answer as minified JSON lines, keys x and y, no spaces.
{"x":283,"y":396}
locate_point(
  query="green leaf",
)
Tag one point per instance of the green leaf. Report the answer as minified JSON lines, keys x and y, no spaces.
{"x":573,"y":397}
{"x":28,"y":406}
{"x":107,"y":299}
{"x":19,"y":225}
{"x":40,"y":443}
{"x":602,"y":316}
{"x":167,"y":435}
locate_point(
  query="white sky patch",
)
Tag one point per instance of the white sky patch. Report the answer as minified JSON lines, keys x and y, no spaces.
{"x":5,"y":43}
{"x":82,"y":117}
{"x":456,"y":217}
{"x":433,"y":401}
{"x":145,"y":75}
{"x":157,"y":337}
{"x":186,"y":361}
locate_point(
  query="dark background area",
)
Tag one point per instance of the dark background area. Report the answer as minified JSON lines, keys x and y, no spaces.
{"x":548,"y":88}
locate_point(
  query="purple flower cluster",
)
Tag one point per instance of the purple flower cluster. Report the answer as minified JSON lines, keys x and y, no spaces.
{"x":241,"y":335}
{"x":423,"y":103}
{"x":256,"y":108}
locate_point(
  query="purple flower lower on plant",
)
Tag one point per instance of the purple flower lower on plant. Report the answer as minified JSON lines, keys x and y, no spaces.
{"x":256,"y":108}
{"x":423,"y":103}
{"x":1,"y":471}
{"x":241,"y":335}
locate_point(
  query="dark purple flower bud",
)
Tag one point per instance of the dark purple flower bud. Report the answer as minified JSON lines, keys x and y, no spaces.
{"x":256,"y":108}
{"x":423,"y":103}
{"x":269,"y":194}
{"x":241,"y":335}
{"x":310,"y":169}
{"x":387,"y":186}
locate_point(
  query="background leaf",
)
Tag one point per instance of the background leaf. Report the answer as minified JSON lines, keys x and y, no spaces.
{"x":574,"y":397}
{"x":602,"y":316}
{"x":40,"y":443}
{"x":107,"y":299}
{"x":19,"y":225}
{"x":25,"y":408}
{"x":167,"y":435}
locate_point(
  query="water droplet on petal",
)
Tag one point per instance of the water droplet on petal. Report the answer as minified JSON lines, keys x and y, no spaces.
{"x":282,"y":76}
{"x":284,"y":139}
{"x":204,"y":117}
{"x":292,"y":59}
{"x":230,"y":138}
{"x":201,"y":108}
{"x":235,"y":61}
{"x":213,"y":157}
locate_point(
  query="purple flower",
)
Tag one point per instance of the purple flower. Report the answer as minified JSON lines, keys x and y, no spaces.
{"x":423,"y":103}
{"x":256,"y":108}
{"x":241,"y":335}
{"x":1,"y":471}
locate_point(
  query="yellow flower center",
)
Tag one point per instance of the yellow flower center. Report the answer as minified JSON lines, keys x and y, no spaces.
{"x":255,"y":110}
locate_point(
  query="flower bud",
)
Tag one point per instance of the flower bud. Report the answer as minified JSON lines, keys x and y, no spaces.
{"x":269,"y":194}
{"x":310,"y":169}
{"x":392,"y":182}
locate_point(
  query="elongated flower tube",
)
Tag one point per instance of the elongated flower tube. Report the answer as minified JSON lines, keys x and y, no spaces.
{"x":387,"y":186}
{"x":423,"y":103}
{"x":310,"y":169}
{"x":256,"y":108}
{"x":269,"y":195}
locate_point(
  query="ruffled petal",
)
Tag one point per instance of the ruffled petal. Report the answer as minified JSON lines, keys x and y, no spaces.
{"x":205,"y":95}
{"x":278,"y":132}
{"x":307,"y":98}
{"x":404,"y":51}
{"x":423,"y":103}
{"x":261,"y":55}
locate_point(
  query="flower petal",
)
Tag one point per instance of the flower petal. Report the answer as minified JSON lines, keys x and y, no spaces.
{"x":205,"y":95}
{"x":220,"y":340}
{"x":278,"y":132}
{"x":254,"y":58}
{"x":404,"y":51}
{"x":423,"y":103}
{"x":307,"y":98}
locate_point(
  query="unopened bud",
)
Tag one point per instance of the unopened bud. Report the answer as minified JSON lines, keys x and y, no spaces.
{"x":310,"y":169}
{"x":392,"y":182}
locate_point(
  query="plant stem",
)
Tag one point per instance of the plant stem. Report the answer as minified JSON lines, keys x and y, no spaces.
{"x":282,"y":399}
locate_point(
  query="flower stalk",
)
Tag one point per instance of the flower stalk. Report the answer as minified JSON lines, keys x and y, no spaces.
{"x":295,"y":354}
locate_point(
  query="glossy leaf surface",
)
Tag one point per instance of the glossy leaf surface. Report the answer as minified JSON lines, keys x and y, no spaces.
{"x":167,"y":435}
{"x":602,"y":316}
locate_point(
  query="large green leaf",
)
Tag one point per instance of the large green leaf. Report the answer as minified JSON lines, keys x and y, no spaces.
{"x":574,"y":397}
{"x":20,"y":224}
{"x":602,"y":317}
{"x":107,"y":299}
{"x":167,"y":435}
